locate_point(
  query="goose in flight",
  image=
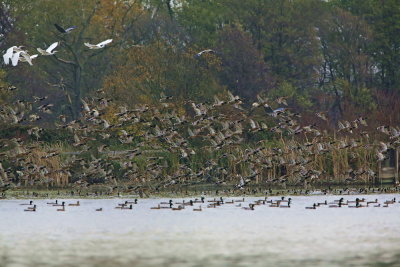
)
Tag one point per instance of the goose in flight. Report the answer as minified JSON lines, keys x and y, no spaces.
{"x":21,"y":56}
{"x":62,"y":30}
{"x":99,"y":45}
{"x":49,"y":51}
{"x":26,"y":58}
{"x":10,"y":52}
{"x":205,"y":51}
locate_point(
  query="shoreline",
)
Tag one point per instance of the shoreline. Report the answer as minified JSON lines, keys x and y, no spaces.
{"x":67,"y":193}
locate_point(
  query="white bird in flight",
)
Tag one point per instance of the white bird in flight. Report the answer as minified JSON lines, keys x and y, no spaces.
{"x":49,"y":51}
{"x":22,"y":56}
{"x":27,"y":58}
{"x":99,"y":45}
{"x":10,"y":52}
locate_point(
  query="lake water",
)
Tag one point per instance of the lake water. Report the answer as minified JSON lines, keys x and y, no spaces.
{"x":224,"y":236}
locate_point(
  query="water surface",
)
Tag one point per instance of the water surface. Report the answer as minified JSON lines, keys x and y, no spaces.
{"x":224,"y":236}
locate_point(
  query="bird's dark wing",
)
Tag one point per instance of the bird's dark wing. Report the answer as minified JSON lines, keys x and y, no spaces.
{"x":59,"y":28}
{"x":268,"y":109}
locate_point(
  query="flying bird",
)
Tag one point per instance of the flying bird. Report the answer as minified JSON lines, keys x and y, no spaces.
{"x":23,"y":56}
{"x":10,"y":52}
{"x":49,"y":51}
{"x":62,"y":30}
{"x":99,"y":45}
{"x":27,"y":58}
{"x":205,"y":51}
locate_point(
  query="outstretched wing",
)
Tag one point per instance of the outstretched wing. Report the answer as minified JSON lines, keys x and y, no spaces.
{"x":15,"y":58}
{"x":54,"y":45}
{"x":105,"y":42}
{"x":70,"y":29}
{"x":59,"y":28}
{"x":8,"y":55}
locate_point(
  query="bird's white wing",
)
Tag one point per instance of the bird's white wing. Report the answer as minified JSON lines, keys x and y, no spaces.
{"x":51,"y":47}
{"x":6,"y":59}
{"x":15,"y":58}
{"x":105,"y":42}
{"x":8,"y":55}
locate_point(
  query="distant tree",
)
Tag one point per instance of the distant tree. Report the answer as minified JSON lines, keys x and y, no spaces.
{"x":160,"y":68}
{"x":347,"y":67}
{"x":384,"y":20}
{"x":244,"y":70}
{"x":6,"y":21}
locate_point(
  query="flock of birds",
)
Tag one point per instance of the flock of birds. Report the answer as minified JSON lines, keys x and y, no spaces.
{"x":199,"y":204}
{"x":15,"y":54}
{"x":221,"y":130}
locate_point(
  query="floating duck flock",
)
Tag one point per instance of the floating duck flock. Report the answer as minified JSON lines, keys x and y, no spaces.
{"x":220,"y":128}
{"x":202,"y":204}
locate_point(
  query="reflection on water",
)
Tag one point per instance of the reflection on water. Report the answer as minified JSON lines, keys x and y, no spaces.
{"x":225,"y":236}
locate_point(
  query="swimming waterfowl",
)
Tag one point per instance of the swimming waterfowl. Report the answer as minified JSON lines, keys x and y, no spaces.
{"x":100,"y":209}
{"x":180,"y":207}
{"x":199,"y":201}
{"x":169,"y":207}
{"x":199,"y":209}
{"x":59,"y":205}
{"x":31,"y":208}
{"x":123,"y":204}
{"x":62,"y":209}
{"x":337,"y":205}
{"x":190,"y":203}
{"x":132,"y":202}
{"x":275,"y":204}
{"x":26,"y":204}
{"x":285,"y":200}
{"x":259,"y":202}
{"x":337,"y":200}
{"x":52,"y":203}
{"x":75,"y":204}
{"x":314,"y":206}
{"x":323,"y":203}
{"x":357,"y":200}
{"x":251,"y":207}
{"x":127,"y":208}
{"x":390,"y":201}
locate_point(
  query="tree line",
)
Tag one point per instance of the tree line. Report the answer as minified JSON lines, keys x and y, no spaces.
{"x":339,"y":56}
